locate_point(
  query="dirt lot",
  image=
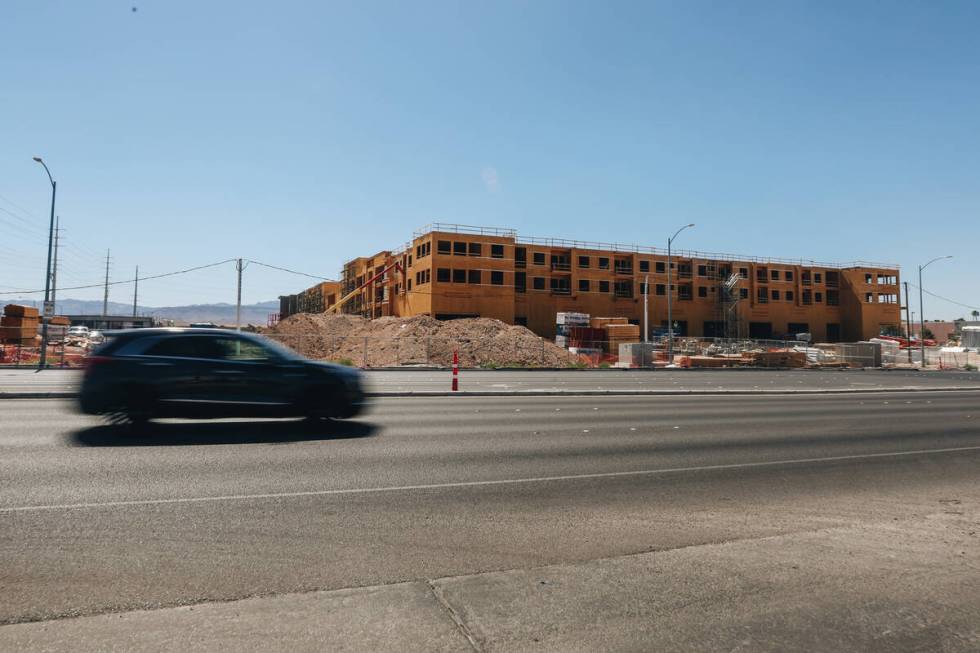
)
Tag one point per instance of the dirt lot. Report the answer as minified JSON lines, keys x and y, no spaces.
{"x":421,"y":340}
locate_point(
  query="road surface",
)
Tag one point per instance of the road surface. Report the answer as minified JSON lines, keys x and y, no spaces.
{"x":789,"y":523}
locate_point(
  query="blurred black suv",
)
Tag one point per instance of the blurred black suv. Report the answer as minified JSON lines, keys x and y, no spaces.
{"x":209,"y":373}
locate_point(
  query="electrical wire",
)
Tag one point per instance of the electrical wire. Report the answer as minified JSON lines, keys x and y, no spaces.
{"x":276,"y":267}
{"x":118,"y":283}
{"x":945,"y":299}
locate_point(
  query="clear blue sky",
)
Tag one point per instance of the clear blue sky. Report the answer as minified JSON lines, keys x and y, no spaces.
{"x":304,"y":133}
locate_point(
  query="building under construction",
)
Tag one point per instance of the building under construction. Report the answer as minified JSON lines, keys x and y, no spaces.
{"x":452,"y":271}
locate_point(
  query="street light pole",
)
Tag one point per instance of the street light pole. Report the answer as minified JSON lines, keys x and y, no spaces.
{"x":922,"y":313}
{"x":47,"y":277}
{"x":670,"y":294}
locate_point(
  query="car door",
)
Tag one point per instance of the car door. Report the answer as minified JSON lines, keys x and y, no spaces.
{"x":179,"y":370}
{"x":250,"y":374}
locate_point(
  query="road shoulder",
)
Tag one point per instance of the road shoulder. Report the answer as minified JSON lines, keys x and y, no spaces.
{"x":906,"y":585}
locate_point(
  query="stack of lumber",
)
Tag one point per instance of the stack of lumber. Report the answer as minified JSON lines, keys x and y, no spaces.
{"x":603,"y":322}
{"x":18,"y":326}
{"x":777,"y":358}
{"x":621,"y":334}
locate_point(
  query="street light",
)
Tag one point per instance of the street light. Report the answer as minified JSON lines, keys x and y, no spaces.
{"x":670,"y":313}
{"x":922,"y":313}
{"x":47,"y":277}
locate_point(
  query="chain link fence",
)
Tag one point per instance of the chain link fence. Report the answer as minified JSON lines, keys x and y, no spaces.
{"x":689,"y":352}
{"x":535,"y":352}
{"x":60,"y":354}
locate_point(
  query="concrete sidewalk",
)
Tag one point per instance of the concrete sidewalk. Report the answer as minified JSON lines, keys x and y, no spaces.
{"x":916,"y":580}
{"x":61,"y":384}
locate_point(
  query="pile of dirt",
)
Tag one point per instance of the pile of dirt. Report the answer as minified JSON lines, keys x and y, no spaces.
{"x":420,"y":340}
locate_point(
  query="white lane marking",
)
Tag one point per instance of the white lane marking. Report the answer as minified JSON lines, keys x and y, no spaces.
{"x":461,"y":484}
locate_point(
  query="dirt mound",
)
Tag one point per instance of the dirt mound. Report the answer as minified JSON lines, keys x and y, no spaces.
{"x":420,"y":340}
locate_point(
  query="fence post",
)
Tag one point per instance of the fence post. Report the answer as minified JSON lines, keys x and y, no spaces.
{"x":365,"y":351}
{"x":428,"y":350}
{"x":542,"y":352}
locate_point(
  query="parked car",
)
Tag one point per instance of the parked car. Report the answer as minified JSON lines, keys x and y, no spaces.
{"x":205,"y":373}
{"x":78,"y":331}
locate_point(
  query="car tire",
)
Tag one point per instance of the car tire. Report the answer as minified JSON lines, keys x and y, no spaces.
{"x":140,"y":403}
{"x":348,"y":404}
{"x":313,"y":404}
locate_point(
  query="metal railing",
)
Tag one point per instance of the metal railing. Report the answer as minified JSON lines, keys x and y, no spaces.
{"x":475,"y":230}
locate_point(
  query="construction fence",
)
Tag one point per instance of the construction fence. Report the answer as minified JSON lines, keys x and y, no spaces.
{"x":59,"y":355}
{"x":369,"y":352}
{"x":536,"y":352}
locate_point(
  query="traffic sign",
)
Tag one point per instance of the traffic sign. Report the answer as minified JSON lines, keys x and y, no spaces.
{"x":49,"y":309}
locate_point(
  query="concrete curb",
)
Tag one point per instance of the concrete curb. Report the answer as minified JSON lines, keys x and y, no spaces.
{"x":583,"y":393}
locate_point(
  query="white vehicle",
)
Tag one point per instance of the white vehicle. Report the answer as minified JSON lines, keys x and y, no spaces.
{"x":96,"y":337}
{"x":78,"y":331}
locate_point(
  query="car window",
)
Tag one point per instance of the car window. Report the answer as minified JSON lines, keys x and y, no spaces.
{"x":183,"y":347}
{"x":240,"y":349}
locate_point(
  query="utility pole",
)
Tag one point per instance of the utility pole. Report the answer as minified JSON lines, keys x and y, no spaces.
{"x":908,"y":321}
{"x":47,"y":275}
{"x":105,"y":296}
{"x":238,"y":305}
{"x":54,"y":267}
{"x":136,"y":289}
{"x":670,"y":293}
{"x":922,"y":313}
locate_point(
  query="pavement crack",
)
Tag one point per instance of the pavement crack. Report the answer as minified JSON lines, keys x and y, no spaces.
{"x":455,"y":616}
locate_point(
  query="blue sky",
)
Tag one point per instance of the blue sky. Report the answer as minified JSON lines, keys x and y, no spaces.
{"x":304,"y":133}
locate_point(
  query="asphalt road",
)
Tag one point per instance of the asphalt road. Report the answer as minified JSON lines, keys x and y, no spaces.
{"x":96,"y":520}
{"x":420,"y":381}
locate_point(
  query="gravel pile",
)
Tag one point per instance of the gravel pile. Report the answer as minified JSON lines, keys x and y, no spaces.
{"x":420,"y":340}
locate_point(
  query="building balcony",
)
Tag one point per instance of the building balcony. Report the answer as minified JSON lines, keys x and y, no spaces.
{"x":561,"y":266}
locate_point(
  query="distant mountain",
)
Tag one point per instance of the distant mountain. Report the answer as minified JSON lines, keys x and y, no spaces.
{"x":218,"y":313}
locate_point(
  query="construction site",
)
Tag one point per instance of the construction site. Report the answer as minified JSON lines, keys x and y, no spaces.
{"x":606,"y":304}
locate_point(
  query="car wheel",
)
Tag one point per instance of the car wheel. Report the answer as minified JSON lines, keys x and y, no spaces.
{"x":348,"y":404}
{"x":316,"y":404}
{"x":139,"y":406}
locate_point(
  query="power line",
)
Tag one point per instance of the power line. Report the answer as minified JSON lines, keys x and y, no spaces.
{"x":117,"y":283}
{"x":945,"y":299}
{"x":19,"y":207}
{"x":302,"y":274}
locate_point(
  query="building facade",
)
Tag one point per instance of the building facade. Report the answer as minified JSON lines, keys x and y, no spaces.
{"x":453,"y":271}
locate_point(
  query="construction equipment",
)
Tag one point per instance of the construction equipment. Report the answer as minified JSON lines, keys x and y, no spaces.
{"x":335,"y":308}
